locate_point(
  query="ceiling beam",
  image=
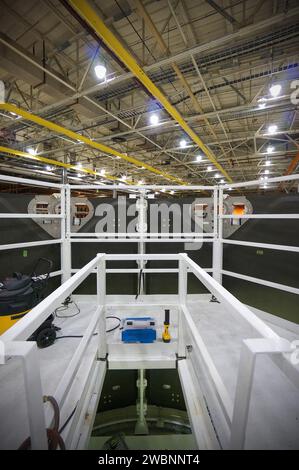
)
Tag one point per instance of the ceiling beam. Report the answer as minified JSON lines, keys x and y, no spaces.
{"x":222,"y":12}
{"x":81,"y":138}
{"x":94,"y":21}
{"x":291,"y":168}
{"x":152,"y":27}
{"x":48,"y":161}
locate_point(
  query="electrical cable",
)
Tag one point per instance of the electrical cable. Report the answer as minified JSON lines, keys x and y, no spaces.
{"x":71,"y":336}
{"x":65,"y":307}
{"x":140,"y":276}
{"x":115,"y":327}
{"x":53,"y":434}
{"x":107,"y":331}
{"x":67,"y":421}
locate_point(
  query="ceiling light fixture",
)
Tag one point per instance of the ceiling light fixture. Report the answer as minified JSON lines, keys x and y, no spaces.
{"x":31,"y":151}
{"x":272,"y":128}
{"x":100,"y":71}
{"x":154,"y":119}
{"x":270,"y":149}
{"x":275,"y":90}
{"x":183,"y":143}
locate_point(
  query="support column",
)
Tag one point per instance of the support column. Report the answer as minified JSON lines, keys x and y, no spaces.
{"x":183,"y":290}
{"x":66,"y":254}
{"x":141,"y":425}
{"x":218,"y":233}
{"x":141,"y":205}
{"x":101,"y":304}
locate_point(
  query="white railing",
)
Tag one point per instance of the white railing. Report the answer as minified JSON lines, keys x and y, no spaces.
{"x":68,"y":238}
{"x":15,"y":345}
{"x":235,"y":411}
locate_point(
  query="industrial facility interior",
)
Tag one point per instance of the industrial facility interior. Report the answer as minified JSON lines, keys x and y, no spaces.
{"x":149,"y":224}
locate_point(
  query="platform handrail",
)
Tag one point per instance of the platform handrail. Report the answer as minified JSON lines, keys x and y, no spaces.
{"x":30,"y":322}
{"x":235,"y":411}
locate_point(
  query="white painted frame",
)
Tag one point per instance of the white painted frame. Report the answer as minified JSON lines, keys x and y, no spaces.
{"x":235,"y":413}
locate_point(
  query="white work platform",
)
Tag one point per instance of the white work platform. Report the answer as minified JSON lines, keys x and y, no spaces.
{"x":273,"y":421}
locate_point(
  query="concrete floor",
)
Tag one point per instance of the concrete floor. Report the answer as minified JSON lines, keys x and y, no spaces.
{"x":274,"y":409}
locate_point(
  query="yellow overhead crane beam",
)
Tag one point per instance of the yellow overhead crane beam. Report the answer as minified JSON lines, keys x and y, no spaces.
{"x":49,"y":161}
{"x":86,"y":12}
{"x":81,"y":138}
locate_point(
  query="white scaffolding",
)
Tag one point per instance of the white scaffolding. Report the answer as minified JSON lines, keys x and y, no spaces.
{"x":234,"y":412}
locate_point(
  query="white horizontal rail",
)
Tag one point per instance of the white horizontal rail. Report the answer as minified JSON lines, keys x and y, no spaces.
{"x":13,"y":246}
{"x":224,"y":296}
{"x":30,"y":216}
{"x":260,"y":216}
{"x":30,"y":322}
{"x":268,"y":246}
{"x":140,"y":234}
{"x":263,"y":282}
{"x":277,"y":179}
{"x":222,"y":393}
{"x":145,"y":256}
{"x":145,"y":240}
{"x":56,"y":273}
{"x":66,"y":381}
{"x":123,"y":187}
{"x":200,"y":420}
{"x":27,"y":181}
{"x":146,"y":270}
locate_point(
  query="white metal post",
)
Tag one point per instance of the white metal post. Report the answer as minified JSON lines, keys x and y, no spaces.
{"x":242,"y":398}
{"x":101,"y":301}
{"x":249,"y":351}
{"x":215,"y":215}
{"x":141,"y":425}
{"x":183,"y":290}
{"x":66,"y":254}
{"x":33,"y":390}
{"x":142,"y":228}
{"x":217,"y":243}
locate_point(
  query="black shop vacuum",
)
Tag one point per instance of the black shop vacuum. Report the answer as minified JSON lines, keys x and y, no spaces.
{"x":19,"y":294}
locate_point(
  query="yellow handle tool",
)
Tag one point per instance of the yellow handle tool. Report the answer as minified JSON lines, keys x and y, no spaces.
{"x":166,"y":335}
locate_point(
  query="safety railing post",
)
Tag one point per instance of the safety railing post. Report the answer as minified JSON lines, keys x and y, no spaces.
{"x":101,"y":301}
{"x":249,"y":351}
{"x":217,"y":243}
{"x":66,"y":252}
{"x":242,"y":398}
{"x":27,"y":351}
{"x":183,"y":290}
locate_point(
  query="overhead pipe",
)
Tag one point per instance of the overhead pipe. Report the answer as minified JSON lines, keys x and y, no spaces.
{"x":48,"y":161}
{"x":80,"y":138}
